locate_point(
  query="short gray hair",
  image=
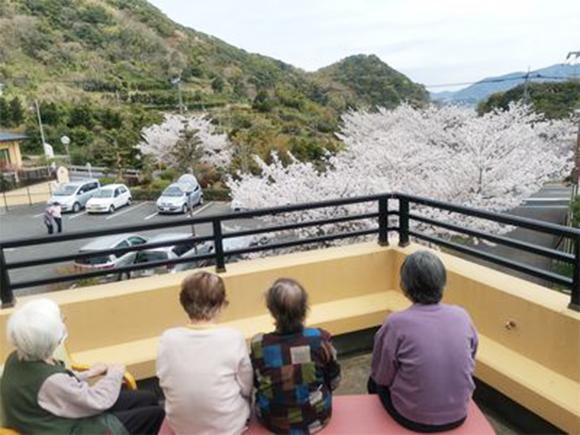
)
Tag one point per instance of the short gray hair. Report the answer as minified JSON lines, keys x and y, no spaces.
{"x":36,"y":329}
{"x":287,"y":301}
{"x":423,"y":277}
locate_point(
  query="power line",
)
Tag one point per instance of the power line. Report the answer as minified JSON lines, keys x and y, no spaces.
{"x":500,"y":80}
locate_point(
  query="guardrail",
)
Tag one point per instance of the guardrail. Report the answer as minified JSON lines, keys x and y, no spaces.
{"x":380,"y":215}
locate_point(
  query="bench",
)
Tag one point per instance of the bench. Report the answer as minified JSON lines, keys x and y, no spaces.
{"x":364,"y":414}
{"x":338,"y":317}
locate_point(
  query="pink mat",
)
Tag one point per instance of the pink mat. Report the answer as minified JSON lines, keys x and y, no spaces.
{"x":364,"y":414}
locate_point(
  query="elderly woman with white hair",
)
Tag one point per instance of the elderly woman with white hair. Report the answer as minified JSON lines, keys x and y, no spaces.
{"x":424,"y":356}
{"x":40,"y":395}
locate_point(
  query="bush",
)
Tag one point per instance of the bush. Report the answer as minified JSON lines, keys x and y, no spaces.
{"x":107,"y":180}
{"x":168,"y":174}
{"x":217,"y":195}
{"x":145,"y":194}
{"x":160,"y":184}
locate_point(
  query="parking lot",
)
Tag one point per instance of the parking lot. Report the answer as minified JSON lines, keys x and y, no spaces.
{"x":28,"y":222}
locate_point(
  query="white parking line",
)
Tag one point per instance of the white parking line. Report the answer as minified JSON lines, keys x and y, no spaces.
{"x":202,"y":208}
{"x":151,"y":216}
{"x":37,"y":215}
{"x":126,"y":210}
{"x":77,"y":215}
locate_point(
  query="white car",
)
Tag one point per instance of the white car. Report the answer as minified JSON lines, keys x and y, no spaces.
{"x":109,"y":198}
{"x":181,"y":196}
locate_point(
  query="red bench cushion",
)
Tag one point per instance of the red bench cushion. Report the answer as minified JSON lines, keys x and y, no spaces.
{"x":364,"y":414}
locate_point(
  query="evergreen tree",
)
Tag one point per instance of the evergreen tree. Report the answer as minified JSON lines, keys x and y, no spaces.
{"x":187,"y":151}
{"x":16,"y":112}
{"x":4,"y":113}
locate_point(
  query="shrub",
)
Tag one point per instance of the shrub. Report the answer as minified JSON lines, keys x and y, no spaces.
{"x":217,"y":195}
{"x":160,"y":184}
{"x":107,"y":180}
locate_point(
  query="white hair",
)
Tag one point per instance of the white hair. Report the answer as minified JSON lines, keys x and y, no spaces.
{"x":36,"y":329}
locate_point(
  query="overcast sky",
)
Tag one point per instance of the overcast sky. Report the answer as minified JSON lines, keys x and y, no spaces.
{"x":431,"y":41}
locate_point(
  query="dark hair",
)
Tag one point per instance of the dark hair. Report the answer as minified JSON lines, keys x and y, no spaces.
{"x":423,"y":278}
{"x":202,"y":295}
{"x":287,"y":301}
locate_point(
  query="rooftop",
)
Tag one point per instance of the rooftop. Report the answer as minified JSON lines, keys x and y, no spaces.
{"x":6,"y":136}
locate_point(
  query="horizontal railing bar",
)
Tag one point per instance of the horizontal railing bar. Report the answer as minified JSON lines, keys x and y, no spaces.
{"x":306,"y":206}
{"x":505,"y":218}
{"x":548,"y":276}
{"x":295,"y":226}
{"x":136,"y":248}
{"x":117,"y":271}
{"x":306,"y":241}
{"x":540,"y":250}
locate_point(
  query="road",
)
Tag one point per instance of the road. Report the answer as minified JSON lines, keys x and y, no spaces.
{"x":550,"y":204}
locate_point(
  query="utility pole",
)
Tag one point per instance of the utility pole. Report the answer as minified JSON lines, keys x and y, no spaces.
{"x":526,"y":92}
{"x":39,"y":122}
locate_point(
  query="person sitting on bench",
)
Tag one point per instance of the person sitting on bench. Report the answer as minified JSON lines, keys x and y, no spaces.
{"x":423,"y":357}
{"x":204,"y":369}
{"x":40,"y":396}
{"x":295,"y":368}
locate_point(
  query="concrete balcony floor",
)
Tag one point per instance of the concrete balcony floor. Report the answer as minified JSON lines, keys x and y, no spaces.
{"x":355,"y":373}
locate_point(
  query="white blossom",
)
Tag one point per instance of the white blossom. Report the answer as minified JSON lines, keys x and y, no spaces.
{"x":159,"y":140}
{"x":490,"y":162}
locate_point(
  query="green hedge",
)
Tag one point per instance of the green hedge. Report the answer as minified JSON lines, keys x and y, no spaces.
{"x":151,"y":194}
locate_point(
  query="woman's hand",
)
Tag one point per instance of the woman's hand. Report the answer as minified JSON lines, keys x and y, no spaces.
{"x":98,"y":369}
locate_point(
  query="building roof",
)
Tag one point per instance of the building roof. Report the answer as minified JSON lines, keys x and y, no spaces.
{"x":6,"y":136}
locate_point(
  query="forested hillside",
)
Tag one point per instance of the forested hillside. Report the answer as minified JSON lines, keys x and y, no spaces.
{"x":554,"y":100}
{"x":103,"y":69}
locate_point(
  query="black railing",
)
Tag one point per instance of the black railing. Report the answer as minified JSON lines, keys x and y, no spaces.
{"x":382,"y":214}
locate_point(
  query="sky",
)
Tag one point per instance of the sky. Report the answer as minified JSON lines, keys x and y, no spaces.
{"x":433,"y":42}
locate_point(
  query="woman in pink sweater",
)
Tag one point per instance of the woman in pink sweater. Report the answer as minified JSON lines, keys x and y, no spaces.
{"x":203,"y":368}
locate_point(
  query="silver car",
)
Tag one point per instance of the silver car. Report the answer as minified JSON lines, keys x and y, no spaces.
{"x":229,"y":244}
{"x":170,"y":252}
{"x":74,"y":196}
{"x":109,"y":261}
{"x":181,"y":196}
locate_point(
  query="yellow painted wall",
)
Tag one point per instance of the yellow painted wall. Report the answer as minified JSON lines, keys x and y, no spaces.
{"x":537,"y":363}
{"x":13,"y":148}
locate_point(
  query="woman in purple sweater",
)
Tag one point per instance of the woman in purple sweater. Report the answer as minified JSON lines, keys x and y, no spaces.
{"x":424,"y":356}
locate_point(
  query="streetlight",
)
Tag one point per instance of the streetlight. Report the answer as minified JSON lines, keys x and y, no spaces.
{"x":65,"y":140}
{"x":177,"y":81}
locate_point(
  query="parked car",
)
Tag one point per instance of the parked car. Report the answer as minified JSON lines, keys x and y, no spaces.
{"x":74,"y":196}
{"x":109,"y":261}
{"x":109,"y":198}
{"x":181,"y":196}
{"x":229,"y":244}
{"x":170,"y":252}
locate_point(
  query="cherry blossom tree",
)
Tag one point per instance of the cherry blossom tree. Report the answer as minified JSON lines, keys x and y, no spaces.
{"x":490,"y":162}
{"x":160,"y":141}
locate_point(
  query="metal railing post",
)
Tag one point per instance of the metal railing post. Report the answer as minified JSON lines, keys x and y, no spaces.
{"x":220,"y":265}
{"x":384,"y":221}
{"x":5,"y":200}
{"x":29,"y":198}
{"x":6,"y":295}
{"x":403,"y":221}
{"x":575,"y":293}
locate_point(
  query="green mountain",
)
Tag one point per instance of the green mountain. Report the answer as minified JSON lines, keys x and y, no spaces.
{"x":363,"y":80}
{"x":124,"y":56}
